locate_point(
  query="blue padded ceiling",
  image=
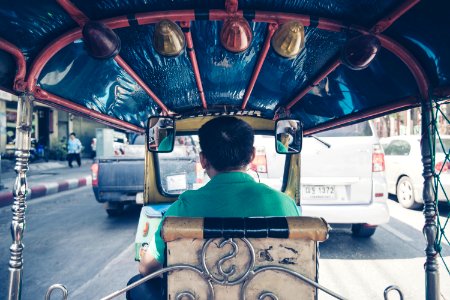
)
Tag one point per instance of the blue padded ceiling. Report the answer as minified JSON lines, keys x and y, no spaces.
{"x":105,"y":87}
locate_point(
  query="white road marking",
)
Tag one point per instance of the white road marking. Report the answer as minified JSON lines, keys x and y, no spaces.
{"x":396,"y":233}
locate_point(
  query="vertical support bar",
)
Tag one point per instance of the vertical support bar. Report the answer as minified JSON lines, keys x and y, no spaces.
{"x":430,"y":229}
{"x":23,"y":141}
{"x":186,"y":26}
{"x":271,"y":28}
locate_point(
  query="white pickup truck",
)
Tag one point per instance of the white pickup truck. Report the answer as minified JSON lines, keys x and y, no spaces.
{"x":343,"y":179}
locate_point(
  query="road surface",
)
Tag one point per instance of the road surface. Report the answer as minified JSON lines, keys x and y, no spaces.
{"x":70,"y":240}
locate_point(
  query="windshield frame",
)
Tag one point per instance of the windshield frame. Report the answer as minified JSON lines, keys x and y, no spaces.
{"x":157,"y":172}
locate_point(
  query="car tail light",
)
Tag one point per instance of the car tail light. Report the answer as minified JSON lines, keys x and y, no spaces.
{"x":377,"y":159}
{"x":441,"y":167}
{"x":199,"y":172}
{"x":259,"y":163}
{"x":94,"y":169}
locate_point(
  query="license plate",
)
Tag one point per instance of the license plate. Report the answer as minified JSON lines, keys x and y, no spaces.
{"x":176,"y":183}
{"x":319,"y":191}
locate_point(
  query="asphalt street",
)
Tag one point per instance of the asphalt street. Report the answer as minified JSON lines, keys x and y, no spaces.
{"x":69,"y":239}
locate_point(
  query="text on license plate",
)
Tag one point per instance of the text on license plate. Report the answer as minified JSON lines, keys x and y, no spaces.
{"x":319,"y":191}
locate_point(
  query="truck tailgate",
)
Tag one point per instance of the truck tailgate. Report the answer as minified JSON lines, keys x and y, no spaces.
{"x":121,"y":175}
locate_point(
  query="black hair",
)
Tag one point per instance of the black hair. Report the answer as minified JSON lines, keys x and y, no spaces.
{"x":73,"y":133}
{"x":227,"y":143}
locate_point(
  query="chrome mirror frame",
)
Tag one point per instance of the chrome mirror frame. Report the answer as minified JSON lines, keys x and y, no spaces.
{"x":149,"y":127}
{"x":298,"y":134}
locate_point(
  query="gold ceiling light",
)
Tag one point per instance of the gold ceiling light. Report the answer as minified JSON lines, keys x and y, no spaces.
{"x":168,"y":38}
{"x":289,"y":39}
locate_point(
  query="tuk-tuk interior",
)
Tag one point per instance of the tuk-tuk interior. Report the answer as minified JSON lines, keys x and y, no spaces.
{"x":155,"y":193}
{"x":326,"y":64}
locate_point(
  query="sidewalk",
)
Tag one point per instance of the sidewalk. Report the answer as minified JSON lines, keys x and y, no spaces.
{"x":46,"y":178}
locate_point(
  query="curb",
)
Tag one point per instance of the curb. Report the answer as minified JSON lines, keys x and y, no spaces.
{"x":45,"y":189}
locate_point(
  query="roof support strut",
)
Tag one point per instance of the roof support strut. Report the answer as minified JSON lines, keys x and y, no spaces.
{"x":193,"y":58}
{"x":259,"y":16}
{"x":381,"y":25}
{"x":54,"y":100}
{"x":271,"y":28}
{"x":79,"y":17}
{"x":19,"y":79}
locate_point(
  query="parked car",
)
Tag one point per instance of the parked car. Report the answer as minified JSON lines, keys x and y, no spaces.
{"x":343,"y":178}
{"x":404,"y":169}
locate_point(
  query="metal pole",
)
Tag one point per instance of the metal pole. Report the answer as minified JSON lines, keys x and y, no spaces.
{"x":1,"y":185}
{"x":432,"y":288}
{"x":23,"y":141}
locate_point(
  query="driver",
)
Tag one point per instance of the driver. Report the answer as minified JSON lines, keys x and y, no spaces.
{"x":226,"y":149}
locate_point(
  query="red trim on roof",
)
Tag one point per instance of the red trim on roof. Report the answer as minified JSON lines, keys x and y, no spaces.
{"x":20,"y":63}
{"x":407,"y":103}
{"x":270,"y":17}
{"x":48,"y":98}
{"x":271,"y":28}
{"x":193,"y":58}
{"x":387,"y":21}
{"x":331,"y":67}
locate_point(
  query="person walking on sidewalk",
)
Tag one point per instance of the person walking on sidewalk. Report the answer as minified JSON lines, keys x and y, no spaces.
{"x":74,"y":149}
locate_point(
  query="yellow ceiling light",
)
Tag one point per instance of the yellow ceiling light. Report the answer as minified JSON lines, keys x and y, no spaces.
{"x":289,"y":39}
{"x":168,"y":38}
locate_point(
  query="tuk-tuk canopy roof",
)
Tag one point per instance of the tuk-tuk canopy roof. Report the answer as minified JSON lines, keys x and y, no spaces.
{"x":413,"y":63}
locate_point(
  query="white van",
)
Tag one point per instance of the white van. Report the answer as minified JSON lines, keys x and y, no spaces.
{"x":343,"y":178}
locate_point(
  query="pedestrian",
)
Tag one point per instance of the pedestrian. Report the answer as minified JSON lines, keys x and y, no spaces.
{"x":73,"y":150}
{"x":93,"y":148}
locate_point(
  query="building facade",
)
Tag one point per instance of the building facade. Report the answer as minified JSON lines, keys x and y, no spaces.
{"x":50,"y":128}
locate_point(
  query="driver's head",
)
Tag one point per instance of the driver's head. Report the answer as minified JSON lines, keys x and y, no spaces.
{"x":227,"y":143}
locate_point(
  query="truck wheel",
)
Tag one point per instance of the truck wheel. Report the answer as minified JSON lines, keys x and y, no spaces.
{"x":405,"y":193}
{"x":363,"y":230}
{"x":113,"y":209}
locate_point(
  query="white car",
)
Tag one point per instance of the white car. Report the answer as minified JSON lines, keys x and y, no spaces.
{"x":404,"y":168}
{"x":344,"y":183}
{"x":343,"y":178}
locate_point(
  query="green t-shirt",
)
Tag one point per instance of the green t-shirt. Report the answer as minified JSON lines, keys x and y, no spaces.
{"x":233,"y":194}
{"x":166,"y":143}
{"x":281,"y":148}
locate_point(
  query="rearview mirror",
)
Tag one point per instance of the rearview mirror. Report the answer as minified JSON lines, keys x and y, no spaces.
{"x":288,"y":136}
{"x":160,"y":134}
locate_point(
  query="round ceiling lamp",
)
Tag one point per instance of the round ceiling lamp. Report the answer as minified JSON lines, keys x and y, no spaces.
{"x":168,"y":39}
{"x":100,"y":41}
{"x":236,"y":34}
{"x":289,"y":40}
{"x":359,"y":52}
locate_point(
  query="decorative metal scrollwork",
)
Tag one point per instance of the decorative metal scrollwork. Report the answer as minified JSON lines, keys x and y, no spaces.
{"x":56,"y":287}
{"x":249,"y":273}
{"x":267,"y":294}
{"x":257,"y":271}
{"x":390,"y":289}
{"x":158,"y":273}
{"x":226,"y":274}
{"x":188,"y":295}
{"x":233,"y":254}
